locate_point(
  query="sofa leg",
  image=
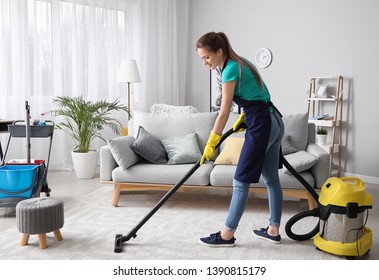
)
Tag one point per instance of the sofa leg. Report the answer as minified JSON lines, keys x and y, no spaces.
{"x":311,"y":202}
{"x":116,"y":195}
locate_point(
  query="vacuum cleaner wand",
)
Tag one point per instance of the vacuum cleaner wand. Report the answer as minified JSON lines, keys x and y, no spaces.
{"x":119,"y":239}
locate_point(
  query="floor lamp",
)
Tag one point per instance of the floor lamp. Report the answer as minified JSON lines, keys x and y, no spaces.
{"x":128,"y":73}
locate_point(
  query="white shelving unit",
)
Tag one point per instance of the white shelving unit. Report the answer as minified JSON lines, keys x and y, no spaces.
{"x":326,"y":111}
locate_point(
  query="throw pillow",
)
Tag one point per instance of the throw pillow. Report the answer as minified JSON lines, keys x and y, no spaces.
{"x":296,"y":126}
{"x":172,"y":109}
{"x":287,"y":147}
{"x":164,"y":126}
{"x":121,"y":151}
{"x":149,"y":147}
{"x":231,"y":152}
{"x":300,"y":161}
{"x":183,"y":149}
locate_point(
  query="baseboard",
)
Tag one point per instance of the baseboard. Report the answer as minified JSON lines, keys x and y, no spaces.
{"x":367,"y":179}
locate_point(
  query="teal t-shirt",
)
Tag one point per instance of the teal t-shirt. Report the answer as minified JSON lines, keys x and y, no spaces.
{"x":247,"y":86}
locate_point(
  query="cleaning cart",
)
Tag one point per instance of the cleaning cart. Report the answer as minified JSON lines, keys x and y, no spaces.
{"x":23,"y":179}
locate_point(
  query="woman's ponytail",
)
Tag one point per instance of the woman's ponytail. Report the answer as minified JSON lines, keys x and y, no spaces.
{"x":214,"y":41}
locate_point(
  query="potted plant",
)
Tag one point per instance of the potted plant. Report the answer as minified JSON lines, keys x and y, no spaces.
{"x":321,"y":134}
{"x":84,"y":120}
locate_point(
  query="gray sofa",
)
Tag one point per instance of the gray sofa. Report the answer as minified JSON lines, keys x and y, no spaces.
{"x":125,"y":169}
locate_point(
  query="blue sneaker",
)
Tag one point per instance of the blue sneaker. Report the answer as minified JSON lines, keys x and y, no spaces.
{"x":215,"y":240}
{"x":262,"y":234}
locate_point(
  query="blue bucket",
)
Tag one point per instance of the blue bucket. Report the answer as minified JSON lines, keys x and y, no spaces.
{"x":17,"y":180}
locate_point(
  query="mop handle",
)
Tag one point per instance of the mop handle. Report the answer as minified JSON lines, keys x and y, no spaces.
{"x":27,"y":132}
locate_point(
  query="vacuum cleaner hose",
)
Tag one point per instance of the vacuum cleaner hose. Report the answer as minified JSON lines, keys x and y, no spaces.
{"x":310,"y":213}
{"x":309,"y":188}
{"x":298,"y":217}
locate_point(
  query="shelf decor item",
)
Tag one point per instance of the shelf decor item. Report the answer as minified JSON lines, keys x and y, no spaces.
{"x":321,"y":93}
{"x":322,"y":135}
{"x":84,"y":121}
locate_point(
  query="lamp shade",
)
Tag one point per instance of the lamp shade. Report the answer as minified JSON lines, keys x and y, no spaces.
{"x":128,"y":71}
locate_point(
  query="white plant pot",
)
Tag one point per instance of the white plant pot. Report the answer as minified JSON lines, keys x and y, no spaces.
{"x":321,"y":139}
{"x":85,"y":164}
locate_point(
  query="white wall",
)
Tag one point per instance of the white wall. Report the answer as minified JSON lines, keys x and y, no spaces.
{"x":307,"y":38}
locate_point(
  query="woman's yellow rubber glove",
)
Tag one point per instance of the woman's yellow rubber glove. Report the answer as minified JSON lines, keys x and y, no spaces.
{"x":209,"y":149}
{"x":240,"y":120}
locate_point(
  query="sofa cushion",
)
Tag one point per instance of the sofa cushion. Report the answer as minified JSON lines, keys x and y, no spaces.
{"x":300,"y":161}
{"x":182,"y":149}
{"x":296,"y":126}
{"x":163,"y":174}
{"x":222,"y":175}
{"x":164,"y":126}
{"x":230,"y":154}
{"x":149,"y":147}
{"x":121,"y":151}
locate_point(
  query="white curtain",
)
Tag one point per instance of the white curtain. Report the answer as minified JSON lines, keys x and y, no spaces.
{"x":51,"y":48}
{"x":161,"y":31}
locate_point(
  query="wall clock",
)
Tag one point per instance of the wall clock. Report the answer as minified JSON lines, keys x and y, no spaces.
{"x":263,"y":57}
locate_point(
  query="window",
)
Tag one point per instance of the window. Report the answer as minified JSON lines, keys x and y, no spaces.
{"x":56,"y":47}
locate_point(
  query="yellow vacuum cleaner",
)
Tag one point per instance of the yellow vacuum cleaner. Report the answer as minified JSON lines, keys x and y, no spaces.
{"x":344,"y":205}
{"x":342,"y":210}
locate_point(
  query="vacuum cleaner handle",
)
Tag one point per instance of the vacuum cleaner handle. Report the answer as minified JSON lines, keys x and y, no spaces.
{"x":359,"y":181}
{"x":230,"y":132}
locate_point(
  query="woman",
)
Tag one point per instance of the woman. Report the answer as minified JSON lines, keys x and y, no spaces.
{"x":260,"y":154}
